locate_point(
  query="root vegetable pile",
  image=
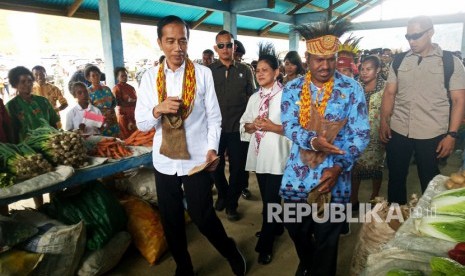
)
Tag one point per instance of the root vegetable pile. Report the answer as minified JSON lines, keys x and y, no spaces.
{"x":111,"y":148}
{"x":59,"y":147}
{"x":140,"y":138}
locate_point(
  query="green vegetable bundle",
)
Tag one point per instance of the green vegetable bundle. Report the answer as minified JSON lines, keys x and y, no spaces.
{"x":451,"y":202}
{"x":59,"y":147}
{"x":449,"y":228}
{"x":6,"y":180}
{"x":22,"y":161}
{"x":446,"y":266}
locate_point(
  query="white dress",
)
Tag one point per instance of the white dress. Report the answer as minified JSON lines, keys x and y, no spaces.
{"x":274,"y":148}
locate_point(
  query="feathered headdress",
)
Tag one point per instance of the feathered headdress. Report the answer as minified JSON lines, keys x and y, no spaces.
{"x":323,"y":37}
{"x":266,"y":51}
{"x":350,"y":46}
{"x":266,"y":48}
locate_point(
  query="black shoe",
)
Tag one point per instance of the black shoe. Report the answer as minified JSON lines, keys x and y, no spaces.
{"x":264,"y":258}
{"x":246,"y":194}
{"x":220,"y":204}
{"x":237,"y":262}
{"x":233,"y":215}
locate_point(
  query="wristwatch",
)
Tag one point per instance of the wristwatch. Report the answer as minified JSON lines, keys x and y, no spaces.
{"x":453,"y":134}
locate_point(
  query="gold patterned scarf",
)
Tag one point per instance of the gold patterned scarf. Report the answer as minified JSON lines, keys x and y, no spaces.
{"x":174,"y":143}
{"x":188,"y":87}
{"x":306,"y":99}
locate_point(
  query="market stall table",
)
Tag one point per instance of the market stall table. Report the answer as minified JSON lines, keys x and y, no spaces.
{"x":81,"y":176}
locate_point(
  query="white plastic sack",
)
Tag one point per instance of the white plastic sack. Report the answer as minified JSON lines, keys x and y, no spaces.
{"x":142,"y":185}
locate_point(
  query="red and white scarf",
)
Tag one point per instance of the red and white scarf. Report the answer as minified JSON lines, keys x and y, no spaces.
{"x":263,"y":109}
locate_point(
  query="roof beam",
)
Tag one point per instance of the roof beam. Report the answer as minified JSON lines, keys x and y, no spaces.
{"x":402,"y":22}
{"x":359,"y":6}
{"x":370,"y":6}
{"x":239,"y":6}
{"x":196,"y":23}
{"x":74,"y":7}
{"x":313,"y":7}
{"x":291,"y":12}
{"x":214,"y":5}
{"x":270,"y":16}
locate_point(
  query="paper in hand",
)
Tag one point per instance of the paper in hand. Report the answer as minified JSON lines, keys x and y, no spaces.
{"x":202,"y":166}
{"x":92,"y":119}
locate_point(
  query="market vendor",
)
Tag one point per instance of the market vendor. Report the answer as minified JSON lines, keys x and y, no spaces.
{"x":28,"y":111}
{"x":75,"y":117}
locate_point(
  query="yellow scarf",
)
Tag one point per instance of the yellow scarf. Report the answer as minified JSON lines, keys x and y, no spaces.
{"x":188,"y":87}
{"x":306,"y":99}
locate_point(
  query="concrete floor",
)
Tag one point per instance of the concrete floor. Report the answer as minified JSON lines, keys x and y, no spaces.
{"x":207,"y":260}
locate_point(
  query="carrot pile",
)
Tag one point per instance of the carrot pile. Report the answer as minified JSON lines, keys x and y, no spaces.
{"x":140,"y":138}
{"x":111,"y":148}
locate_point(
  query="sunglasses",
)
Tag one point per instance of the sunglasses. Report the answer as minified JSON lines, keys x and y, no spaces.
{"x":417,"y":35}
{"x":221,"y":45}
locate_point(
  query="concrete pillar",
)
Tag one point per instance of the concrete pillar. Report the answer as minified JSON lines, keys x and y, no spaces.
{"x":230,"y":23}
{"x":112,"y":40}
{"x":294,"y":38}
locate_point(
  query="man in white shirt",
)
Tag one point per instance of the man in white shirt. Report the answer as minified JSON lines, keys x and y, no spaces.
{"x":178,"y":99}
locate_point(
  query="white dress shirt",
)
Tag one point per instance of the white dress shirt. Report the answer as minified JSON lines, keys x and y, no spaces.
{"x":75,"y":117}
{"x":203,"y":126}
{"x":274,"y":149}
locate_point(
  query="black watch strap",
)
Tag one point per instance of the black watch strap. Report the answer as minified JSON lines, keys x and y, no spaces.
{"x":453,"y":134}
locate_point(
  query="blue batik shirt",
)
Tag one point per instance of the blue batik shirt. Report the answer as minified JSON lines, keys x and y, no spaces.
{"x":346,"y":101}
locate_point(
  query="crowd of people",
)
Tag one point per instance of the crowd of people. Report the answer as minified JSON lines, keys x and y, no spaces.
{"x":306,"y":129}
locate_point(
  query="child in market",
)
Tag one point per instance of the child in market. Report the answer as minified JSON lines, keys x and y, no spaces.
{"x":75,"y":117}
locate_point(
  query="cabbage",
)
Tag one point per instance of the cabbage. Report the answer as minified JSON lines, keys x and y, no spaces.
{"x":446,"y":266}
{"x":443,"y":227}
{"x":450,"y":202}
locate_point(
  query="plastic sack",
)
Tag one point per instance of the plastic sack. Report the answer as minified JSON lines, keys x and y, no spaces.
{"x":63,"y":245}
{"x":101,"y":212}
{"x":409,"y":249}
{"x":372,"y":236}
{"x":13,"y":232}
{"x":18,"y":263}
{"x":102,"y":260}
{"x":145,"y":227}
{"x":142,"y":185}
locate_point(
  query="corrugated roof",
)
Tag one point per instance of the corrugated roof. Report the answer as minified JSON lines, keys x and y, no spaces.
{"x":271,"y":18}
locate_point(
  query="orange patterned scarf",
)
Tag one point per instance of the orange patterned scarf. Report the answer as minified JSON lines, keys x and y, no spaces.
{"x":306,"y":99}
{"x":188,"y":87}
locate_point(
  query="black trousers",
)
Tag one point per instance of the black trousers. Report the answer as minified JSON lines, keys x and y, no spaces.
{"x":238,"y":177}
{"x":269,"y":185}
{"x":399,"y":152}
{"x":316,"y":244}
{"x":198,"y":194}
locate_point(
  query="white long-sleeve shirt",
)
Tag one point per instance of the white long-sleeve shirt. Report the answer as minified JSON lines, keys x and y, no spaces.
{"x":75,"y":117}
{"x":203,"y":126}
{"x":274,"y":148}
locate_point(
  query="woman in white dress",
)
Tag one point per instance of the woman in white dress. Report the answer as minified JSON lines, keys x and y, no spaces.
{"x":268,"y":148}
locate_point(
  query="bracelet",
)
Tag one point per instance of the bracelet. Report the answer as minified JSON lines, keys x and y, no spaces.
{"x":311,"y":144}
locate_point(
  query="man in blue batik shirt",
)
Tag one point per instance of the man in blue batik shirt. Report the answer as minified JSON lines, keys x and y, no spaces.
{"x":337,"y":98}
